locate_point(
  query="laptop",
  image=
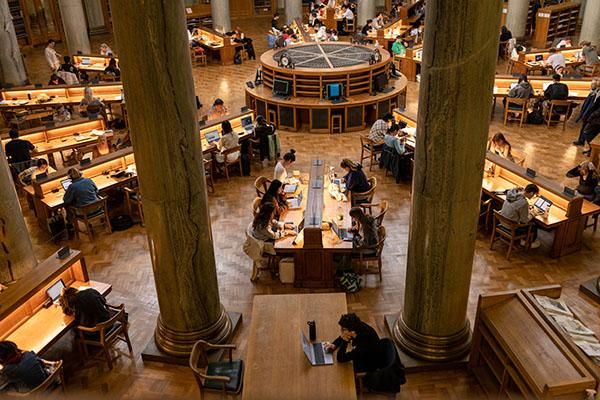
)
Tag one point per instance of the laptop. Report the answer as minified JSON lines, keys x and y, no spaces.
{"x":295,"y":202}
{"x":342,"y":233}
{"x":247,"y":123}
{"x":55,"y":290}
{"x":542,"y":204}
{"x":212,"y":136}
{"x":290,"y":188}
{"x":315,"y":352}
{"x":341,"y":185}
{"x":539,"y":57}
{"x":85,"y":61}
{"x":66,"y":183}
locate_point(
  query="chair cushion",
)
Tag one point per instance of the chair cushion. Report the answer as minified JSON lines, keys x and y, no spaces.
{"x":234,"y":370}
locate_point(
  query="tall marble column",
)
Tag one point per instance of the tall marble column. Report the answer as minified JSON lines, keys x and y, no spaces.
{"x":95,"y":16}
{"x":516,"y":17}
{"x":74,"y":22}
{"x":16,"y":250}
{"x":293,"y":9}
{"x":162,"y":116}
{"x":453,"y":120}
{"x":590,"y":27}
{"x":12,"y":68}
{"x":220,"y":15}
{"x":365,"y":11}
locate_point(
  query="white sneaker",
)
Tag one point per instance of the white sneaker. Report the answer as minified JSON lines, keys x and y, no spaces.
{"x":523,"y":243}
{"x":536,"y":244}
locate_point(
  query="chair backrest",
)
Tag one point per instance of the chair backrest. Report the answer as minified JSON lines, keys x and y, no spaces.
{"x":365,"y":196}
{"x":86,"y":209}
{"x":261,"y":185}
{"x":199,"y":357}
{"x":56,"y":372}
{"x":382,"y":235}
{"x":563,"y":106}
{"x":256,"y":205}
{"x":101,"y":327}
{"x":506,"y":222}
{"x":235,"y":149}
{"x":383,"y":207}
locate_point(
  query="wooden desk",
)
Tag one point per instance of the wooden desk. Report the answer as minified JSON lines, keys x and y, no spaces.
{"x":386,"y":36}
{"x":236,"y":123}
{"x":276,"y":367}
{"x":528,"y":62}
{"x":95,"y":63}
{"x":579,"y":89}
{"x":411,"y":128}
{"x":24,"y":320}
{"x":409,"y":12}
{"x":314,"y":249}
{"x":303,"y":33}
{"x":567,"y":214}
{"x":216,"y":43}
{"x":518,"y":353}
{"x":61,"y":137}
{"x":410,"y":64}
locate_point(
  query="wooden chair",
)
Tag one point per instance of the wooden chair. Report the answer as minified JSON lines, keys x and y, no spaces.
{"x":244,"y":54}
{"x":505,"y":229}
{"x":208,"y":175}
{"x":223,"y":167}
{"x":106,"y":77}
{"x":591,"y":70}
{"x":380,"y":209}
{"x":226,"y":376}
{"x":368,"y":146}
{"x":517,"y":107}
{"x":563,"y":112}
{"x":373,"y":253}
{"x":256,"y":205}
{"x":366,"y":197}
{"x":350,"y":25}
{"x":198,"y":58}
{"x":261,"y":184}
{"x":133,"y":198}
{"x":485,"y":212}
{"x":107,"y":332}
{"x":42,"y":390}
{"x":89,"y":214}
{"x":593,"y":224}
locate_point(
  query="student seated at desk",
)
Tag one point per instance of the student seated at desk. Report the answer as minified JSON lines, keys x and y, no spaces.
{"x":556,"y":91}
{"x":399,"y":48}
{"x":588,"y":179}
{"x":67,"y":66}
{"x":276,"y":196}
{"x":379,"y":21}
{"x":347,"y":15}
{"x":499,"y":145}
{"x":556,"y":61}
{"x":218,"y":110}
{"x":564,"y":43}
{"x":22,"y":371}
{"x":275,"y":23}
{"x":112,"y":69}
{"x":61,"y":114}
{"x":367,"y":28}
{"x":366,"y":235}
{"x":522,"y":89}
{"x":240,"y":37}
{"x":517,"y":209}
{"x":81,"y":191}
{"x":18,"y":150}
{"x":379,"y":129}
{"x":88,"y":307}
{"x":229,"y":140}
{"x":358,"y":342}
{"x":589,"y":54}
{"x":105,"y":50}
{"x":90,"y":106}
{"x":281,"y":168}
{"x":266,"y":228}
{"x":396,"y":139}
{"x":355,"y":178}
{"x":30,"y":174}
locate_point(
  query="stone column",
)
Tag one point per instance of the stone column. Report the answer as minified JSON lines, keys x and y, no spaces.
{"x":590,"y":27}
{"x":74,"y":22}
{"x":95,"y":16}
{"x":12,"y":68}
{"x":162,"y":117}
{"x":293,"y":9}
{"x":365,"y":10}
{"x":16,"y":251}
{"x":453,"y":123}
{"x":220,"y":15}
{"x":516,"y":17}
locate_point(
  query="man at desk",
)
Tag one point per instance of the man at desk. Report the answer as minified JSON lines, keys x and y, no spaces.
{"x":347,"y":15}
{"x":556,"y":91}
{"x":379,"y":129}
{"x":23,"y":371}
{"x":517,"y":209}
{"x":556,"y":60}
{"x":18,"y":150}
{"x":30,"y":174}
{"x":81,"y":191}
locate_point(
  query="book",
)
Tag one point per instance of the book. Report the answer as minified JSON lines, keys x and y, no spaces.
{"x":553,"y":306}
{"x":589,"y":348}
{"x":572,"y":325}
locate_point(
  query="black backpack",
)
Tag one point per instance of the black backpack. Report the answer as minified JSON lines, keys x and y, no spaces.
{"x":237,"y":59}
{"x":536,"y":117}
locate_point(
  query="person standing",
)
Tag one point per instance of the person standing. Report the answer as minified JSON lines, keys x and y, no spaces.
{"x":52,"y":57}
{"x":590,"y":104}
{"x":18,"y":150}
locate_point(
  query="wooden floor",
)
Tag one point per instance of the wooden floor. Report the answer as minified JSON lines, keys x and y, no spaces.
{"x":122,"y":258}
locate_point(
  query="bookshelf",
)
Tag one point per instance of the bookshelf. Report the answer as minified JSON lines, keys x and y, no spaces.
{"x":18,"y":21}
{"x":553,"y":22}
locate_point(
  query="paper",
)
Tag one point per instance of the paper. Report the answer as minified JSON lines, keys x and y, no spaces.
{"x":573,"y":94}
{"x":572,"y":325}
{"x":590,"y":349}
{"x":553,"y":306}
{"x":409,"y":131}
{"x":97,"y":132}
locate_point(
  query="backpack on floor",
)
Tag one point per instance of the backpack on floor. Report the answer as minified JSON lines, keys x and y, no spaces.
{"x":350,"y":282}
{"x":536,"y":117}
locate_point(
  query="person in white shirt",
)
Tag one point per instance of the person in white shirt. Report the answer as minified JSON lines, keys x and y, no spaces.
{"x":30,"y":174}
{"x":346,"y":15}
{"x":322,"y":33}
{"x":105,"y":50}
{"x":379,"y":21}
{"x":229,"y":140}
{"x":564,"y":43}
{"x":281,"y":168}
{"x":557,"y":61}
{"x":52,"y":57}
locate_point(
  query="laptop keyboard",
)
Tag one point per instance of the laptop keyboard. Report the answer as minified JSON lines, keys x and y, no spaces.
{"x":319,"y":353}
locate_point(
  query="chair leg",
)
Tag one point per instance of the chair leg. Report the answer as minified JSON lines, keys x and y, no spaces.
{"x":379,"y":263}
{"x":108,"y":358}
{"x":254,"y":276}
{"x":128,"y":341}
{"x":492,"y":239}
{"x":371,"y":160}
{"x":510,"y":246}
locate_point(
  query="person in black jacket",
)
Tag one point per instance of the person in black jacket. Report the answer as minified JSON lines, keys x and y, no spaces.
{"x":87,"y":306}
{"x":358,"y":343}
{"x":591,"y":104}
{"x":22,"y":370}
{"x":262,"y":131}
{"x":591,"y":129}
{"x":556,"y":91}
{"x":18,"y":150}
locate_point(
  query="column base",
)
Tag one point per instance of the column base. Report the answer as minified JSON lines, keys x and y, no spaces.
{"x":437,"y":349}
{"x":591,"y":289}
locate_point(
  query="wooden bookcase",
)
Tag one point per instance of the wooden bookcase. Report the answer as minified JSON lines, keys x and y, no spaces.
{"x":553,"y":22}
{"x":18,"y":21}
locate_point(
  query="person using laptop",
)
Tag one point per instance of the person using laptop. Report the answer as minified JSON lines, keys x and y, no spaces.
{"x":556,"y":61}
{"x":81,"y":191}
{"x":276,"y":196}
{"x":588,"y":178}
{"x":30,"y":174}
{"x":499,"y":145}
{"x":67,"y":66}
{"x":517,"y":209}
{"x":366,"y":231}
{"x":262,"y":131}
{"x":229,"y":140}
{"x":266,"y":228}
{"x":18,"y":150}
{"x":522,"y":90}
{"x":358,"y":342}
{"x":282,"y":166}
{"x":355,"y":178}
{"x":88,"y":307}
{"x":22,"y":371}
{"x":112,"y":69}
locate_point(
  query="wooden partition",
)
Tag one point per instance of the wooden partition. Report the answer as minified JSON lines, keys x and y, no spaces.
{"x":410,"y":63}
{"x":567,"y":213}
{"x":387,"y":35}
{"x":519,"y":352}
{"x":94,"y":63}
{"x":218,"y":44}
{"x":531,"y":61}
{"x":236,"y":124}
{"x":411,"y":124}
{"x":51,"y":139}
{"x":579,"y":89}
{"x":555,"y":22}
{"x":23,"y":317}
{"x":303,"y":33}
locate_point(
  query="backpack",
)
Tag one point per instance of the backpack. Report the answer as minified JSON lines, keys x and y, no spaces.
{"x":121,"y":222}
{"x":536,"y":117}
{"x":237,"y":59}
{"x":350,"y":282}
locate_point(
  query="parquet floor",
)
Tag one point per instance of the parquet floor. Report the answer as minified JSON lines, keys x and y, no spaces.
{"x":122,"y":258}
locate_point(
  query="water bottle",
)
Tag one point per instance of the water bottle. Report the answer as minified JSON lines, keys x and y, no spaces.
{"x":312,"y":331}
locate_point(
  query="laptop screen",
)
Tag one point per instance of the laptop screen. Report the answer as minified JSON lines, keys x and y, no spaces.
{"x":55,"y":290}
{"x":66,"y":183}
{"x":539,"y":57}
{"x":246,"y":121}
{"x":212,"y":136}
{"x":85,"y":61}
{"x":543,"y":203}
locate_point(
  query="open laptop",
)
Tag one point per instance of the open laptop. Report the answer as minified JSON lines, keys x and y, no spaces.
{"x":315,"y":352}
{"x":539,"y":57}
{"x":247,"y":123}
{"x":86,"y":61}
{"x":342,"y":233}
{"x":55,"y":290}
{"x":289,"y":188}
{"x":542,"y":204}
{"x":295,"y":202}
{"x":66,"y":183}
{"x":212,"y":136}
{"x":341,"y":185}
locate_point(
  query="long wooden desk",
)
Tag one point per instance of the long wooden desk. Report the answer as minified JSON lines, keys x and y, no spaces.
{"x":276,"y":367}
{"x":48,"y":193}
{"x":314,"y":247}
{"x":410,"y":63}
{"x":411,"y":128}
{"x":216,"y":43}
{"x":567,"y":214}
{"x":95,"y":63}
{"x":61,"y":137}
{"x":579,"y":89}
{"x":386,"y":36}
{"x":303,"y":32}
{"x":215,"y":125}
{"x":528,"y":62}
{"x":23,"y":318}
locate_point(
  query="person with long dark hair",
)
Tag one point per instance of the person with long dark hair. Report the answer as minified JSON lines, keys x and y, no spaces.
{"x":276,"y":196}
{"x":266,"y":228}
{"x":281,"y":168}
{"x":22,"y":371}
{"x":355,"y":178}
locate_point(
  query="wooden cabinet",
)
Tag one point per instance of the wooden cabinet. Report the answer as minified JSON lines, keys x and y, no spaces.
{"x":42,"y":21}
{"x":18,"y":21}
{"x":554,"y":22}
